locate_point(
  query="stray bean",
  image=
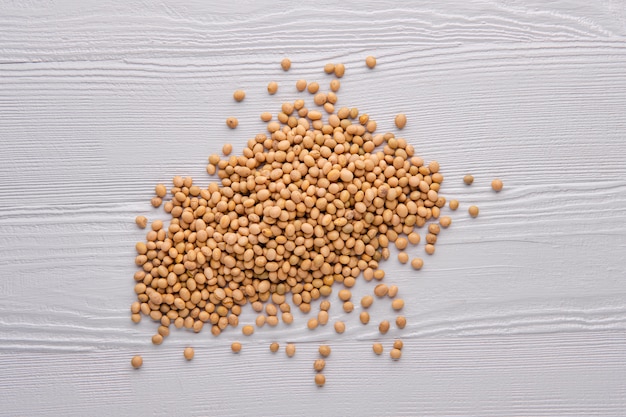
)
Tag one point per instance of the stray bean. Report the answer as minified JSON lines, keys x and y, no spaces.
{"x":188,"y":353}
{"x":400,"y":121}
{"x":340,"y":327}
{"x":239,"y":95}
{"x":136,"y":362}
{"x":320,"y":380}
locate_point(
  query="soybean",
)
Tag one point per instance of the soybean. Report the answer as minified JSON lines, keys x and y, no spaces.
{"x":324,"y":350}
{"x":160,"y":190}
{"x":239,"y":95}
{"x":188,"y":353}
{"x":367,"y":301}
{"x":340,"y":70}
{"x":136,"y":362}
{"x":403,"y":257}
{"x":340,"y":327}
{"x":272,"y":87}
{"x":141,"y":221}
{"x":445,"y":221}
{"x":320,"y":380}
{"x":364,"y":317}
{"x":417,"y":263}
{"x":400,"y":121}
{"x":381,"y":290}
{"x":344,"y":295}
{"x":383,"y":327}
{"x":397,"y":304}
{"x":393,"y":291}
{"x":395,"y":354}
{"x":232,"y":122}
{"x":313,"y":87}
{"x":414,"y":238}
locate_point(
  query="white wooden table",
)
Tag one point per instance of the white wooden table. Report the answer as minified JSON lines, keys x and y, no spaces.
{"x":521,"y":311}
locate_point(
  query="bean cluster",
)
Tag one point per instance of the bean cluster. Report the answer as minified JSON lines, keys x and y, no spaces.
{"x":312,"y":203}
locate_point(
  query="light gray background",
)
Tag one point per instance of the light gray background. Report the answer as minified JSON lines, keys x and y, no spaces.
{"x":521,"y":311}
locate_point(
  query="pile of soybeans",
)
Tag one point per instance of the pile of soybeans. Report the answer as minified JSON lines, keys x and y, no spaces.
{"x":308,"y":207}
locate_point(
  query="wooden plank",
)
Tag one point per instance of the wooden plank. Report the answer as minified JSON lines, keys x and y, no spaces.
{"x":520,"y":312}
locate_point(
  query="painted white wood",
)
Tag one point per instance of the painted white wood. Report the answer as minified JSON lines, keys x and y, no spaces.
{"x":521,"y":311}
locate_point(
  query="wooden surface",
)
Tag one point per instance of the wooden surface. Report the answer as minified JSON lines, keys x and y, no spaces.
{"x":521,"y":311}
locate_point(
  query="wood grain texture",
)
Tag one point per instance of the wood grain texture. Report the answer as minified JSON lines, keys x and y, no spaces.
{"x":521,"y":311}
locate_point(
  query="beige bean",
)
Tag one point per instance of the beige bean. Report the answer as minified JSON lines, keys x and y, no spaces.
{"x":232,"y":122}
{"x":188,"y":353}
{"x":272,"y":87}
{"x":381,"y":290}
{"x":367,"y":301}
{"x":340,"y":327}
{"x":383,"y":327}
{"x":324,"y":350}
{"x":397,"y":304}
{"x":239,"y":95}
{"x":417,"y":263}
{"x":395,"y":354}
{"x":320,"y":380}
{"x":340,"y":70}
{"x":141,"y":221}
{"x":403,"y":257}
{"x":136,"y":362}
{"x":364,"y":317}
{"x":400,"y":121}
